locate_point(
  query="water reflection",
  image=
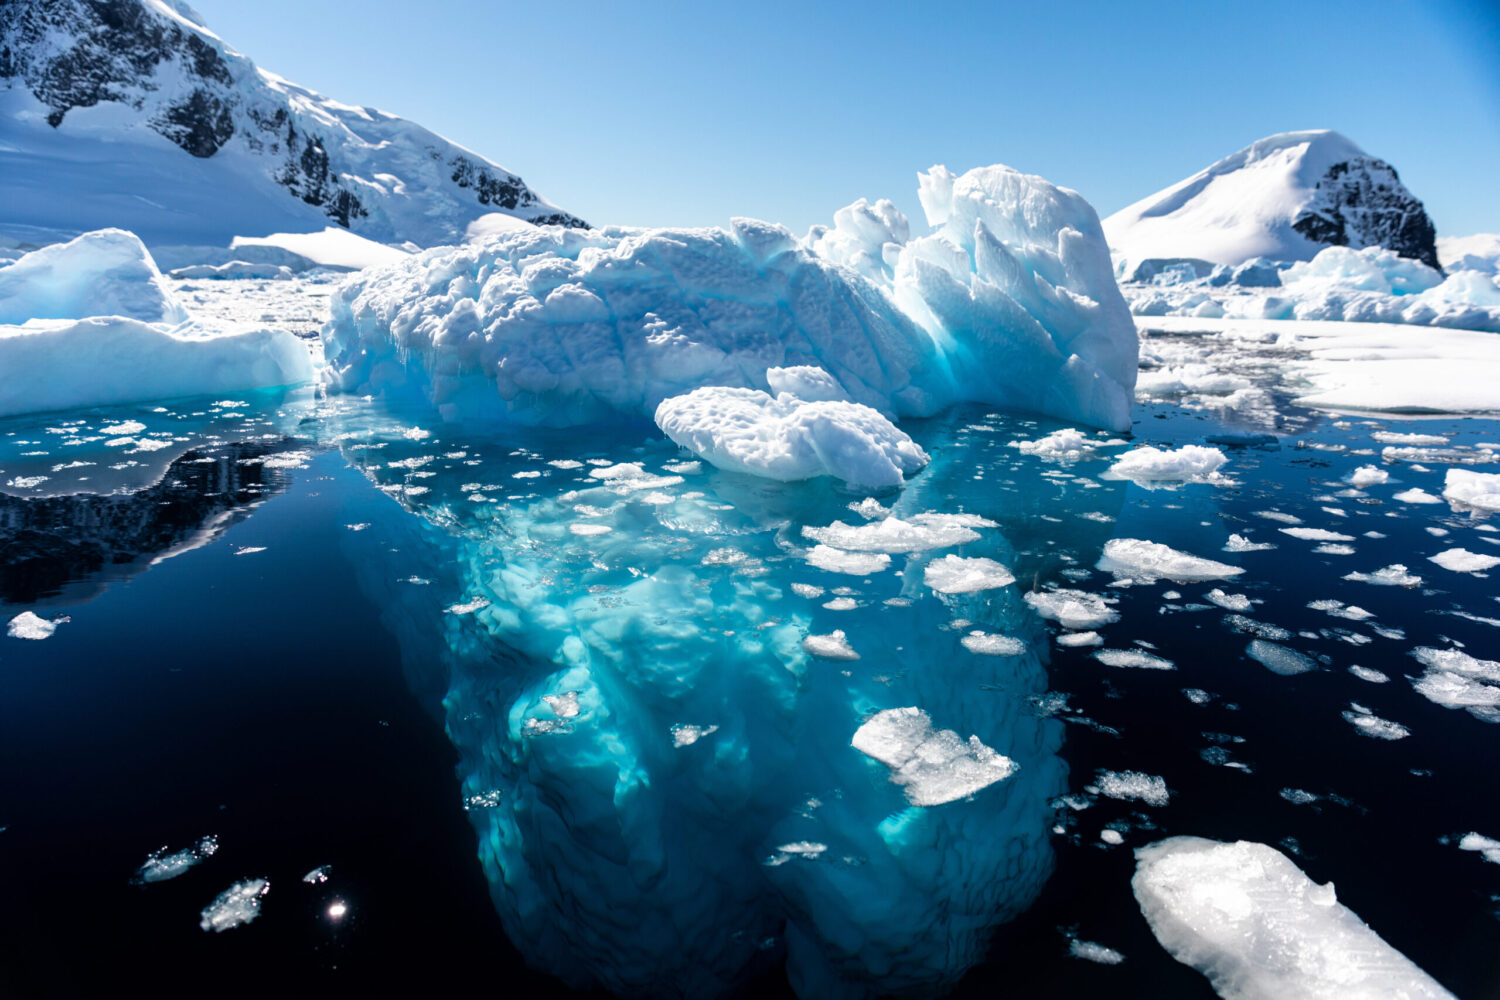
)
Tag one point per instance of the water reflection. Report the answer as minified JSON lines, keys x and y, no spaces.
{"x":660,"y":774}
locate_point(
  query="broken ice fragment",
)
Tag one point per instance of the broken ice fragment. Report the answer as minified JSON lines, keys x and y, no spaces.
{"x":239,"y":904}
{"x":934,"y":766}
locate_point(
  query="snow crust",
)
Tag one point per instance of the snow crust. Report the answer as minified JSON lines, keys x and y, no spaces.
{"x":1011,"y":302}
{"x":1248,"y":919}
{"x":934,"y":766}
{"x":787,"y":438}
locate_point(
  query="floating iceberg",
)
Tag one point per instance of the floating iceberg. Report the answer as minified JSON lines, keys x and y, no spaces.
{"x":1010,"y":301}
{"x":1260,"y":929}
{"x":92,"y":322}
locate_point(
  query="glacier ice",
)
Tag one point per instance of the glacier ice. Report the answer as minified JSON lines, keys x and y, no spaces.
{"x":933,"y":766}
{"x":1010,"y":301}
{"x":1253,"y":923}
{"x":92,"y":323}
{"x":104,"y":273}
{"x":788,"y":438}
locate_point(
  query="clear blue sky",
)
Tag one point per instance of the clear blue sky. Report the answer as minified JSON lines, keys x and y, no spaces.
{"x":687,"y":113}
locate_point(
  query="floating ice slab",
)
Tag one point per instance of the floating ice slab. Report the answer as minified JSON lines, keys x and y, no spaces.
{"x":1133,"y":786}
{"x":1477,"y":490}
{"x":1137,"y":659}
{"x":103,"y":273}
{"x":1138,"y":559}
{"x":30,"y":625}
{"x":1073,"y":609}
{"x":1487,"y":847}
{"x":1067,"y":444}
{"x":1092,"y":951}
{"x":1191,"y":463}
{"x":959,"y":575}
{"x":933,"y":765}
{"x":1367,"y":723}
{"x":1279,"y":659}
{"x":1248,"y":919}
{"x":1461,"y":560}
{"x":919,"y":533}
{"x":787,"y":438}
{"x":163,"y":865}
{"x":1454,"y":679}
{"x":1394,"y":575}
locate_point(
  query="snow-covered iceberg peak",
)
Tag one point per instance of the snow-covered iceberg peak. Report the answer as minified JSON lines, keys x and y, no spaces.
{"x":103,"y":273}
{"x":1011,"y":302}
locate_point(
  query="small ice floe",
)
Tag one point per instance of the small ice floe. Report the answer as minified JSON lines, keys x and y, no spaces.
{"x":247,"y":550}
{"x":1472,"y":490}
{"x":1068,"y":444}
{"x":239,"y":904}
{"x":1394,"y":575}
{"x":1131,"y":786}
{"x":1368,"y":674}
{"x":807,"y":850}
{"x":1461,"y":560}
{"x":588,"y":530}
{"x":934,"y":766}
{"x":1392,"y":437}
{"x":1340,"y":610}
{"x":1454,"y":679}
{"x":1146,"y":562}
{"x":1134,"y":658}
{"x":467,"y":607}
{"x":1280,"y":659}
{"x":985,"y":644}
{"x":30,"y":625}
{"x":1368,"y":475}
{"x":1248,"y":919}
{"x":1277,"y":515}
{"x":1074,"y":639}
{"x":1073,"y":609}
{"x":1239,"y":543}
{"x":318,"y":875}
{"x":834,"y":646}
{"x":685,"y":734}
{"x":1198,"y":696}
{"x":1298,"y":797}
{"x":960,"y":575}
{"x":1189,"y":464}
{"x":1317,"y":535}
{"x":1367,"y":723}
{"x":162,"y":865}
{"x":1092,"y":951}
{"x":1229,"y":602}
{"x":918,"y":533}
{"x":1249,"y":626}
{"x":361,"y":526}
{"x":841,"y":604}
{"x":807,"y":590}
{"x":1416,"y":495}
{"x":26,"y":482}
{"x":826,"y":557}
{"x":1109,"y":835}
{"x":1487,"y":847}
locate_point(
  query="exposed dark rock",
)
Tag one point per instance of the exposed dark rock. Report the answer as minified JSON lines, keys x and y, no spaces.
{"x":1361,"y":203}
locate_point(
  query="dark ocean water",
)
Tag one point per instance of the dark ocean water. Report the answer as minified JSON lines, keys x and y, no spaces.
{"x":243,"y":659}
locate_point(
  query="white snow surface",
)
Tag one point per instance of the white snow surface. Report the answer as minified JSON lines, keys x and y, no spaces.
{"x":787,"y":438}
{"x":1011,"y":301}
{"x":1146,"y":562}
{"x":333,"y":247}
{"x":1237,"y":209}
{"x":934,"y":766}
{"x":1250,"y":920}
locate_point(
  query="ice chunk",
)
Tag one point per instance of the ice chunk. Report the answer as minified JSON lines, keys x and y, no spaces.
{"x":808,"y":383}
{"x":1089,"y":638}
{"x":992,"y":645}
{"x":1454,"y":679}
{"x":1136,"y":658}
{"x":1279,"y":659}
{"x":103,"y":273}
{"x":1316,"y":535}
{"x":1416,"y":495}
{"x":30,"y":625}
{"x":1340,"y":610}
{"x":835,"y":560}
{"x":959,"y":575}
{"x":1189,"y":464}
{"x":787,"y":438}
{"x":892,"y":534}
{"x":1072,"y":609}
{"x":1229,"y":602}
{"x":239,"y":904}
{"x":1137,"y":559}
{"x":161,"y":865}
{"x":1133,"y":786}
{"x":1092,"y":951}
{"x":1487,"y":847}
{"x":1239,"y":543}
{"x":1067,"y":444}
{"x":1477,"y":490}
{"x":1367,"y":723}
{"x":1394,"y":575}
{"x":1248,"y":919}
{"x":834,"y":646}
{"x":1461,"y":560}
{"x":318,"y":875}
{"x":933,"y":765}
{"x":1368,"y":475}
{"x":1368,"y":674}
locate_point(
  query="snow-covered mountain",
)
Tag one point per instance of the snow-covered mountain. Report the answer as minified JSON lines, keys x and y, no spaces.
{"x":1285,"y":197}
{"x":132,"y":113}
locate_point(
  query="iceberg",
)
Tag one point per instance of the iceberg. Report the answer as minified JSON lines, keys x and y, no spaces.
{"x":1253,"y":923}
{"x":92,"y":322}
{"x":1009,"y":302}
